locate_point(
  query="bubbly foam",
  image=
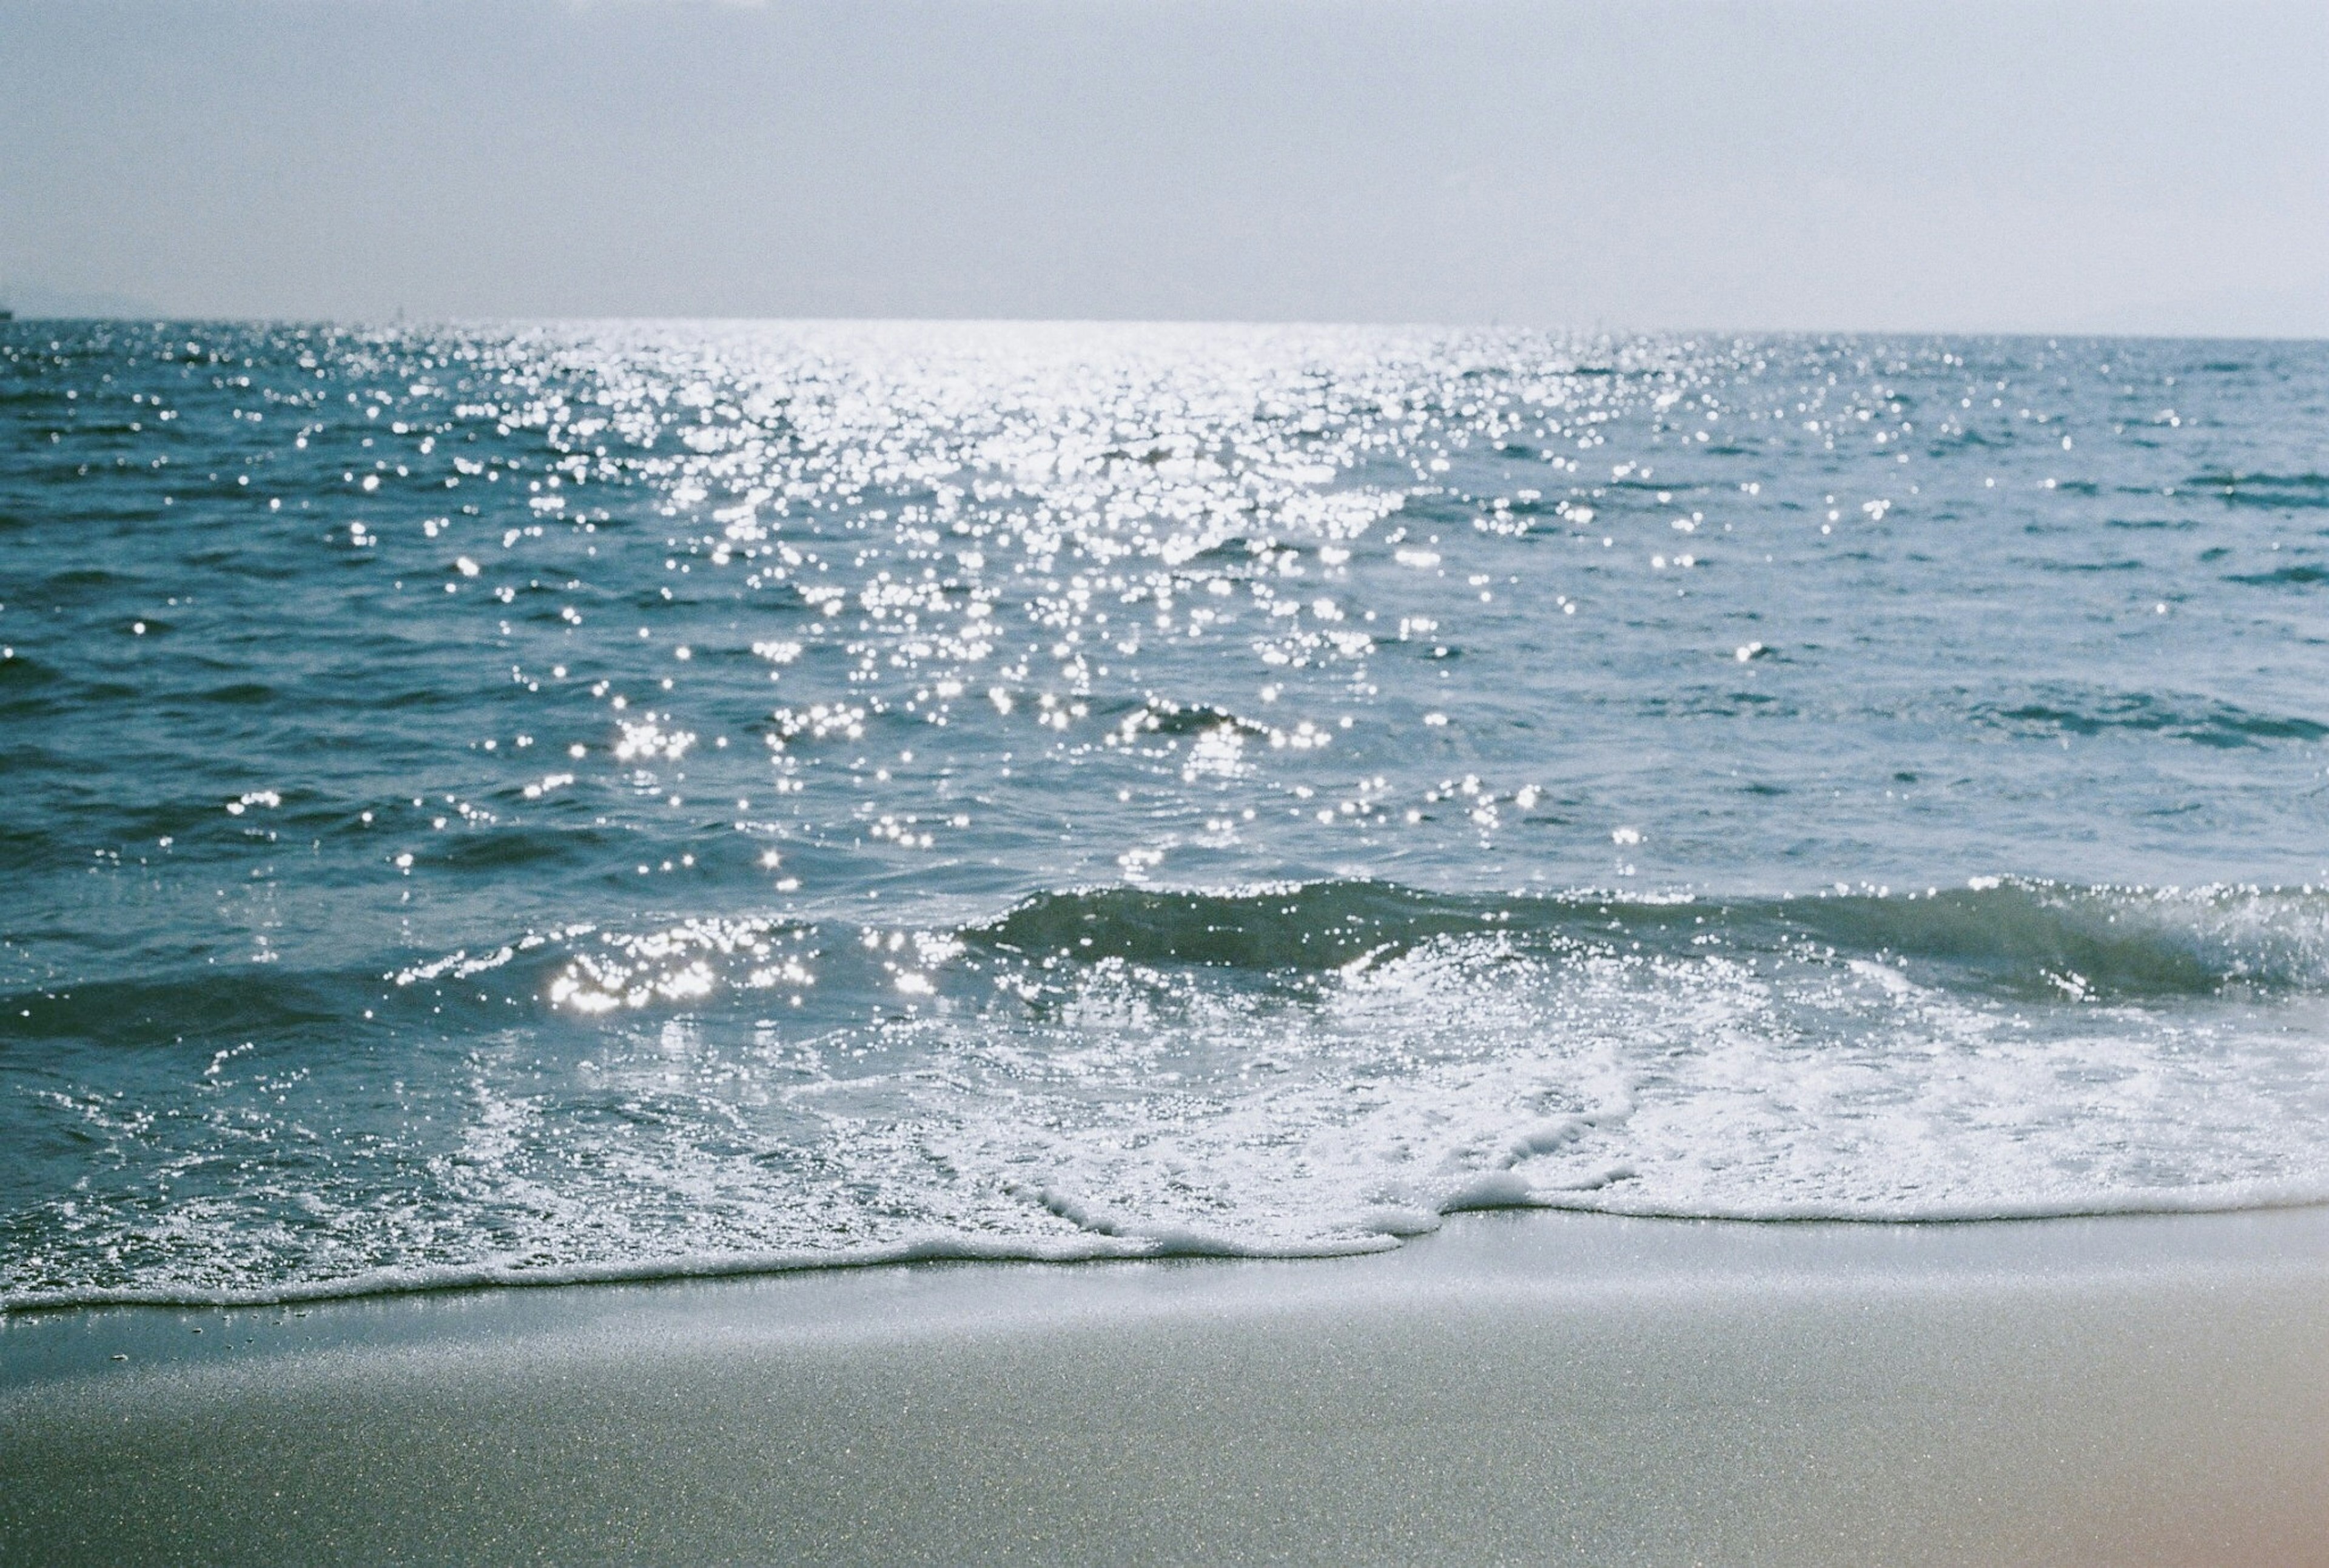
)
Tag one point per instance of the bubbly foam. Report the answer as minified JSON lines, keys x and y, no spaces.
{"x":1285,"y":1071}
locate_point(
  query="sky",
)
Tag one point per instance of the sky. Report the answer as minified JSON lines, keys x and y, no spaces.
{"x":2050,"y":165}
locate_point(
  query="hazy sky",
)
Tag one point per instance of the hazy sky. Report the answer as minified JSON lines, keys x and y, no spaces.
{"x":1758,"y":164}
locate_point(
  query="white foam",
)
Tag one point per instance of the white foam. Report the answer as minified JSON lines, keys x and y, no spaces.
{"x":1114,"y":1109}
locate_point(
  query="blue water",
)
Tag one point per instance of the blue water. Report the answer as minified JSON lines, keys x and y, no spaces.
{"x":573,"y":801}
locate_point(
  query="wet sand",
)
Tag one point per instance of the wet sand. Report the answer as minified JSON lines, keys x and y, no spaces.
{"x":1520,"y":1387}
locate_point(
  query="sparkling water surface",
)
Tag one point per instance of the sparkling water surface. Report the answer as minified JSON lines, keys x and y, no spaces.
{"x":563,"y":801}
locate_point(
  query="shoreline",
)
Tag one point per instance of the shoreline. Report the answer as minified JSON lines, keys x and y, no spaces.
{"x":1488,"y":1197}
{"x":1521,"y":1385}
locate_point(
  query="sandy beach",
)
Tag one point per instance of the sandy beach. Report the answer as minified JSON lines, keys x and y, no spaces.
{"x":1520,"y":1387}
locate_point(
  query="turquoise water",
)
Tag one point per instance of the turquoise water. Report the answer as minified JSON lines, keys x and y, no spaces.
{"x":569,"y":801}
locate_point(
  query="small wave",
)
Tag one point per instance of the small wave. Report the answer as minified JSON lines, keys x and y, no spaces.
{"x":166,"y":1010}
{"x":526,"y":844}
{"x":1161,"y":716}
{"x":29,"y":689}
{"x":2300,"y":575}
{"x":202,"y":1007}
{"x":1312,"y":925}
{"x":2093,"y":942}
{"x":239,"y":694}
{"x":2201,"y":720}
{"x":2279,"y":491}
{"x":2028,"y":935}
{"x":2010,"y":936}
{"x":2080,"y":568}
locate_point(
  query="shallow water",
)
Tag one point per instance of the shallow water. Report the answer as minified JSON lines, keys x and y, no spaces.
{"x":615,"y":799}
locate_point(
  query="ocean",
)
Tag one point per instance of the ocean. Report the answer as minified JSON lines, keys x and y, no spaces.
{"x":615,"y":800}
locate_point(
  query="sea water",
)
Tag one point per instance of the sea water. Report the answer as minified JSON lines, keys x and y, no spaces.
{"x":567,"y":800}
